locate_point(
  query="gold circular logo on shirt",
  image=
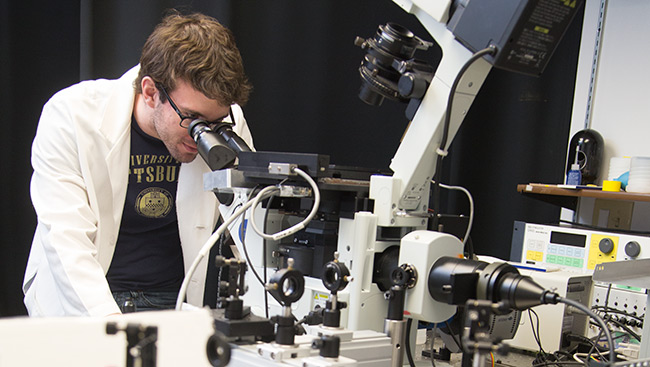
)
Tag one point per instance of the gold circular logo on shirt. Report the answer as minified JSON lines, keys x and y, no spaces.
{"x":153,"y":202}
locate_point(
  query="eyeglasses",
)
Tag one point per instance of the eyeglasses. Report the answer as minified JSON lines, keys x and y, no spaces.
{"x":186,"y":120}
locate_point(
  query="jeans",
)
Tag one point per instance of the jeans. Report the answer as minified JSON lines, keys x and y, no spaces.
{"x":145,"y":300}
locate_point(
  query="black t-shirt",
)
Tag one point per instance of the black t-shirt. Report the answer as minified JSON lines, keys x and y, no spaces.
{"x":148,"y":254}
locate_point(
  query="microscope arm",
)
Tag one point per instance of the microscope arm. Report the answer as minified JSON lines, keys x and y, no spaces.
{"x":402,"y":199}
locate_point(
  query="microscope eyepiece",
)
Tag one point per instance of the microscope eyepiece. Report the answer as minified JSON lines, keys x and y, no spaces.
{"x":218,"y":146}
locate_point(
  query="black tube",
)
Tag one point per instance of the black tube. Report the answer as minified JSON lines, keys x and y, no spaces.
{"x":234,"y":141}
{"x":396,"y":303}
{"x":441,"y":274}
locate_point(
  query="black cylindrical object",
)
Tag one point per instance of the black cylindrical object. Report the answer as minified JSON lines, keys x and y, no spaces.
{"x":234,"y":141}
{"x":454,"y":281}
{"x":590,"y":146}
{"x":384,"y":264}
{"x":396,"y":303}
{"x":392,"y":43}
{"x":329,"y":346}
{"x":335,"y":276}
{"x":441,"y":273}
{"x":218,"y":350}
{"x":520,"y":292}
{"x":331,"y":317}
{"x":289,"y":286}
{"x":286,"y":331}
{"x":234,"y":309}
{"x":212,"y":147}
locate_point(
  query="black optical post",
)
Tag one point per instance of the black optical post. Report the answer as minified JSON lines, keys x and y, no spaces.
{"x":287,"y":286}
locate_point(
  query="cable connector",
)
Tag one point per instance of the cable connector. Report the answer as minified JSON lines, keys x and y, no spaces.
{"x":550,"y":298}
{"x":287,"y":169}
{"x":314,"y":317}
{"x":492,"y":49}
{"x":289,"y":191}
{"x":631,"y":351}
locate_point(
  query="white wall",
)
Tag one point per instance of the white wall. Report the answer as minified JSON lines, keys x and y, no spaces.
{"x":621,"y":101}
{"x":621,"y":98}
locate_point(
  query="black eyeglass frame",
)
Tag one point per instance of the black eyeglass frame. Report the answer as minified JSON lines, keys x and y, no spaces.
{"x":212,"y":124}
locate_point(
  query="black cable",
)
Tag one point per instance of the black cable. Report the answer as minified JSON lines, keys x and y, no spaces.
{"x":252,"y":267}
{"x":433,"y":339}
{"x":447,"y":122}
{"x":266,"y":293}
{"x":557,"y":358}
{"x":220,"y":273}
{"x":433,"y":360}
{"x":609,"y":291}
{"x":617,"y":311}
{"x":583,"y":339}
{"x":565,"y":363}
{"x":248,"y":259}
{"x":407,"y":342}
{"x":592,"y":344}
{"x":600,"y":333}
{"x":624,"y":327}
{"x":598,"y":319}
{"x":266,"y":217}
{"x":535,"y":330}
{"x":454,"y":86}
{"x":608,"y":318}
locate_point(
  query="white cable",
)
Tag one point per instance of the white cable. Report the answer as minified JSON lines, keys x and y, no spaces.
{"x":576,"y":357}
{"x":297,"y":227}
{"x":471,"y":207}
{"x":212,"y":240}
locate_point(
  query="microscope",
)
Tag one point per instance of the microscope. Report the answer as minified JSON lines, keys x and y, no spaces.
{"x":364,"y":215}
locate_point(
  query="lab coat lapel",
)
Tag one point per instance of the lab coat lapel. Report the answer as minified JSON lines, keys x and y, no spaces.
{"x":111,"y":173}
{"x":197,"y":215}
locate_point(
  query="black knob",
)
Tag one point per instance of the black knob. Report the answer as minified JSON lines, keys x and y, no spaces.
{"x":218,"y":350}
{"x":411,"y":86}
{"x":329,"y":346}
{"x":606,"y":245}
{"x":128,"y":306}
{"x":632,"y":249}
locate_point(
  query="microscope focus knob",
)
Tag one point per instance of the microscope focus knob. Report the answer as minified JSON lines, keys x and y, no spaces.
{"x":411,"y":86}
{"x":632,"y":249}
{"x":606,"y":245}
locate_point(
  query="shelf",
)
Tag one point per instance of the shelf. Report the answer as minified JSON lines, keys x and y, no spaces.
{"x":568,"y":198}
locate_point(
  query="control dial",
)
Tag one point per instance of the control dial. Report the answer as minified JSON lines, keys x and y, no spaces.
{"x":632,"y":249}
{"x":606,"y":245}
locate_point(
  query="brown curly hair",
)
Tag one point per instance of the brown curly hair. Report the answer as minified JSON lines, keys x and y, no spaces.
{"x":199,"y":50}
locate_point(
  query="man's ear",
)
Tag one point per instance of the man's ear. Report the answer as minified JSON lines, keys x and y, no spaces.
{"x":149,"y":91}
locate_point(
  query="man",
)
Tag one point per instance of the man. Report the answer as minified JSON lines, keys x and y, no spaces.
{"x":117,"y":188}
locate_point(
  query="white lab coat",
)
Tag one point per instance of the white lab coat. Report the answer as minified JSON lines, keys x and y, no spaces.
{"x":80,"y":157}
